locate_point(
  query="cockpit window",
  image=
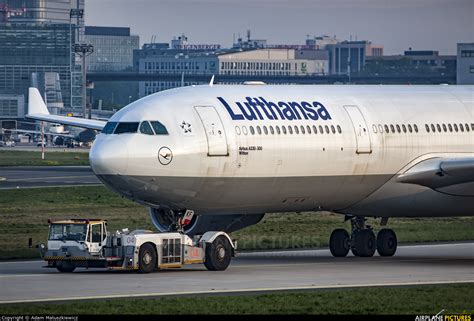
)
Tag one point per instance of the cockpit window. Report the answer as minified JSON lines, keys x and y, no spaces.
{"x":109,"y":128}
{"x":159,"y":128}
{"x":145,"y":128}
{"x":123,"y":128}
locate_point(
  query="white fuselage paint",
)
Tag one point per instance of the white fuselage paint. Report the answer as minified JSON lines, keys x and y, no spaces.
{"x":223,"y":168}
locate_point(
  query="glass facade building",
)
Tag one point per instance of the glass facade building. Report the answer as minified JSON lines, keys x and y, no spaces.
{"x":37,"y":48}
{"x":44,"y":11}
{"x":113,"y":48}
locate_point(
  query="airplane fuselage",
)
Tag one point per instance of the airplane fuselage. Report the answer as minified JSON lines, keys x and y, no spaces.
{"x":258,"y":149}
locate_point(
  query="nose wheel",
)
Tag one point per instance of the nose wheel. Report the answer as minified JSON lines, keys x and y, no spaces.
{"x":362,"y":242}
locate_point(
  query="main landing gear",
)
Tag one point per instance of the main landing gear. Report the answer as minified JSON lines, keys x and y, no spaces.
{"x":362,"y":242}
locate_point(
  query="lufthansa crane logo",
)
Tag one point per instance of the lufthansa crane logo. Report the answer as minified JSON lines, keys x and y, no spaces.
{"x":165,"y":155}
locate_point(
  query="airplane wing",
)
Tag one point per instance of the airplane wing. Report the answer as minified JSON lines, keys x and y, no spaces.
{"x":37,"y":110}
{"x":37,"y":132}
{"x":449,"y":175}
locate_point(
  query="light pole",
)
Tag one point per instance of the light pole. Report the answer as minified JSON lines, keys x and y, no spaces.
{"x":84,"y":50}
{"x":78,"y":14}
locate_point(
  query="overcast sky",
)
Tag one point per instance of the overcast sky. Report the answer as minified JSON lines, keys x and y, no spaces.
{"x":396,"y":24}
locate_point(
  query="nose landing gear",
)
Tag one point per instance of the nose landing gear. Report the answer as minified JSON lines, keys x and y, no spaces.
{"x":362,"y":242}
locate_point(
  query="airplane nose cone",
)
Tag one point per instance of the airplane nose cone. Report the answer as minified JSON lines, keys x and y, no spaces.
{"x":109,"y":156}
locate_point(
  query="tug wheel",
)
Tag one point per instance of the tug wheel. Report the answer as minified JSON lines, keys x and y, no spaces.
{"x":218,"y":254}
{"x":65,"y":267}
{"x":146,"y":258}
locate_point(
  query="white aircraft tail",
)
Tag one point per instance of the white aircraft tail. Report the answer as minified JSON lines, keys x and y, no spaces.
{"x":36,"y":103}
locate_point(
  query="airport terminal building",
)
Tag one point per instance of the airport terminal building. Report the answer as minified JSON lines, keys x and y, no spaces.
{"x":268,"y":62}
{"x":465,"y":64}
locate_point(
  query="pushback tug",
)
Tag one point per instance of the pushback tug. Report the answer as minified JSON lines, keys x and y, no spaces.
{"x":86,"y":243}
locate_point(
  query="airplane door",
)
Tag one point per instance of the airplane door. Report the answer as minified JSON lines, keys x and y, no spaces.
{"x":215,"y":133}
{"x":360,"y":129}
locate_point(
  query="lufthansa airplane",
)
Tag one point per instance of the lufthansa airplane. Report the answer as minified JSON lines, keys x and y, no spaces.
{"x":230,"y":154}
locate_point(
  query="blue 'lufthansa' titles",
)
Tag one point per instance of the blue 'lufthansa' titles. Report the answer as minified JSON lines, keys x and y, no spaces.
{"x":259,"y":109}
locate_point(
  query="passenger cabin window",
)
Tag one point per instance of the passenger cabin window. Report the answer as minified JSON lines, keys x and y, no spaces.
{"x":145,"y":128}
{"x":126,"y":128}
{"x":109,"y":128}
{"x":159,"y":128}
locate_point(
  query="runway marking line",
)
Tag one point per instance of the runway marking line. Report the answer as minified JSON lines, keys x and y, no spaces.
{"x":49,"y":177}
{"x":223,"y":291}
{"x":233,"y":267}
{"x":51,"y":186}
